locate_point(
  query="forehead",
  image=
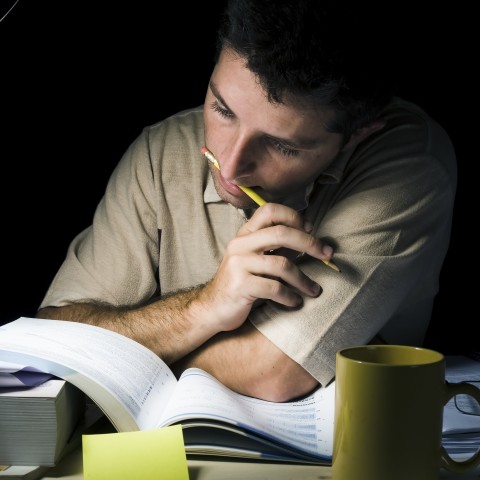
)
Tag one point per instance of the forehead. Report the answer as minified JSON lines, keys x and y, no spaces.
{"x":239,"y":90}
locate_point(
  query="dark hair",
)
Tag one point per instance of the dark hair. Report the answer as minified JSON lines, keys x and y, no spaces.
{"x":315,"y":52}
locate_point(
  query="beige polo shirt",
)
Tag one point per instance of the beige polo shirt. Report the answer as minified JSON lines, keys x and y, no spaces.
{"x":386,"y":209}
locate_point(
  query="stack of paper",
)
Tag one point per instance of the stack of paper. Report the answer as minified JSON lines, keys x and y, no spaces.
{"x":37,"y":422}
{"x":461,"y":420}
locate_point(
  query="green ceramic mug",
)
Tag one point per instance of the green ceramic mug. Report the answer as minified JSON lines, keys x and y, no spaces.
{"x":389,"y":402}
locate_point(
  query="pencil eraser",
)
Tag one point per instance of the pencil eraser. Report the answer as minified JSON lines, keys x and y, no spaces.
{"x":204,"y":150}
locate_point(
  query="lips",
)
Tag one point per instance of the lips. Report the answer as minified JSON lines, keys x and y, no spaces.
{"x":229,"y":186}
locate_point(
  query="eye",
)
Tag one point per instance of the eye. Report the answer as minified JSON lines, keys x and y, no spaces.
{"x":224,"y":112}
{"x":283,"y":149}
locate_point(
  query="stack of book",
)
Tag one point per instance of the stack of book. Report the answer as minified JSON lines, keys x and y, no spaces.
{"x":36,"y":423}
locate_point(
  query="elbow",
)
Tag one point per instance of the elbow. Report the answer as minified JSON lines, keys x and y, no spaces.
{"x":282,"y":385}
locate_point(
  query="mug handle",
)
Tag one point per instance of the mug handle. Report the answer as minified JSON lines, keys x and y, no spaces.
{"x":447,"y":462}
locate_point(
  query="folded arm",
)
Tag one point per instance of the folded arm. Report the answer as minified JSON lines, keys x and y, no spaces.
{"x":249,"y":363}
{"x":202,"y":322}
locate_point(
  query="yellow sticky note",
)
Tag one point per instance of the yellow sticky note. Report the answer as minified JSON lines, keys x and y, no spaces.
{"x":148,"y":454}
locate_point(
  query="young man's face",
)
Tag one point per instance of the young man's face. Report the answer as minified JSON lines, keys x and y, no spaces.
{"x":276,"y":149}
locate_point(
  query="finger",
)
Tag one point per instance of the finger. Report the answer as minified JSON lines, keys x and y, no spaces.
{"x":280,"y":236}
{"x":282,"y":269}
{"x":272,"y":214}
{"x":276,"y":291}
{"x":286,"y":280}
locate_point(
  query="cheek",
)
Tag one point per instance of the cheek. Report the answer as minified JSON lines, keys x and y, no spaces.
{"x":207,"y":123}
{"x":216,"y":131}
{"x":281,"y":179}
{"x":302,"y":173}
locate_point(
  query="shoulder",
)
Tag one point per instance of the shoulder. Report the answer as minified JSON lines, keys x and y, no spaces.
{"x":168,"y":143}
{"x":411,"y":145}
{"x":404,"y":174}
{"x":165,"y":152}
{"x":182,"y":127}
{"x":174,"y":141}
{"x":411,"y":131}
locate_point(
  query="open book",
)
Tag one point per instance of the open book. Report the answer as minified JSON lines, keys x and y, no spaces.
{"x":137,"y":391}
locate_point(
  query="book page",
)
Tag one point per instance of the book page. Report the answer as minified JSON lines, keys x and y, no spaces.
{"x":14,"y":375}
{"x":306,"y":424}
{"x":128,"y":381}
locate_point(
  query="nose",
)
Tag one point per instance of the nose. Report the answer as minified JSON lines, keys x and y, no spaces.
{"x":238,"y":162}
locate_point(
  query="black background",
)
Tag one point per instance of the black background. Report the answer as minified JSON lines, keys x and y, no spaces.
{"x":79,"y":80}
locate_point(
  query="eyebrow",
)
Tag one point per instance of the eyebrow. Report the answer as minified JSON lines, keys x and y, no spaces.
{"x":298,"y":144}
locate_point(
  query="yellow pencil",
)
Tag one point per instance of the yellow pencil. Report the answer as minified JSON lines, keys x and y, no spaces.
{"x":253,"y":195}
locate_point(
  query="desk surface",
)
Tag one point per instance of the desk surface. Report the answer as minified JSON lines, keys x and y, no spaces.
{"x":71,"y":468}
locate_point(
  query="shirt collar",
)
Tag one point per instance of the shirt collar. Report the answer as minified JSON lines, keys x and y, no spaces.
{"x":210,"y":194}
{"x":334,"y":172}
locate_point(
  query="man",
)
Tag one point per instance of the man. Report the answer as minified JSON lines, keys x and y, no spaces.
{"x":181,"y":260}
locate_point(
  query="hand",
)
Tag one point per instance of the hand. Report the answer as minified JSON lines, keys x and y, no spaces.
{"x":247,"y":274}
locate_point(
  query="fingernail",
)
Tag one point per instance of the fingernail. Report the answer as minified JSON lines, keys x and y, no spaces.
{"x":327,"y":250}
{"x":307,"y":226}
{"x":316,"y":289}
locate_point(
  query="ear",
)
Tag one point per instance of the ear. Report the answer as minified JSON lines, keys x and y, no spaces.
{"x":363,"y":132}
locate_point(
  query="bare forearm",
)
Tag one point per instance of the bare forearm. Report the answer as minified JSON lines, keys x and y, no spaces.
{"x":247,"y":362}
{"x":171,"y":327}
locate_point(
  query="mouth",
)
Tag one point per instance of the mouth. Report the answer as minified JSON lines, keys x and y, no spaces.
{"x":228,"y":186}
{"x":231,"y":188}
{"x":230,"y":192}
